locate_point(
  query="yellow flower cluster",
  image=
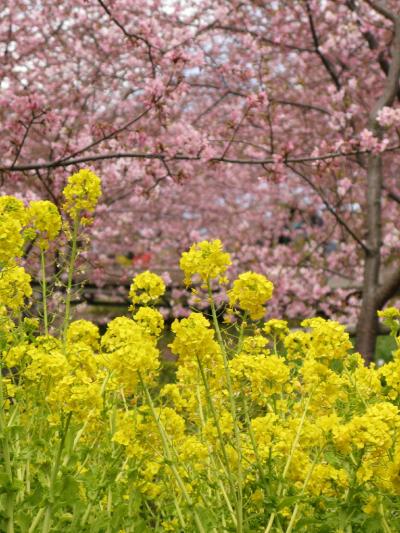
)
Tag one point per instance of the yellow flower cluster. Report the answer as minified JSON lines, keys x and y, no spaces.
{"x":130,"y":352}
{"x":14,"y":287}
{"x":327,"y":339}
{"x":150,"y":320}
{"x":45,"y":221}
{"x":276,"y":328}
{"x":194,"y":340}
{"x":205,"y":259}
{"x":250,"y":292}
{"x":85,"y":332}
{"x":260,"y":376}
{"x":12,"y":221}
{"x":82,"y":192}
{"x":146,"y":287}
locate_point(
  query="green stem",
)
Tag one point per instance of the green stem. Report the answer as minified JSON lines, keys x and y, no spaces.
{"x":307,"y":479}
{"x":386,"y":526}
{"x":219,"y":432}
{"x":53,"y":476}
{"x":109,"y":509}
{"x":289,"y":460}
{"x":36,"y":520}
{"x":239,"y":506}
{"x":169,"y":458}
{"x":225,"y":467}
{"x":74,"y":253}
{"x":101,"y":486}
{"x":252,"y":438}
{"x":7,"y":460}
{"x":44,"y":292}
{"x":241,"y":334}
{"x":216,"y":419}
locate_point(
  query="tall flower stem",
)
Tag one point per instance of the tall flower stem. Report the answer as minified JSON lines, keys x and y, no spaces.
{"x":71,"y":267}
{"x":289,"y":461}
{"x":239,"y":507}
{"x":7,"y":460}
{"x":169,"y":458}
{"x":211,"y":407}
{"x":44,"y":291}
{"x":53,"y":476}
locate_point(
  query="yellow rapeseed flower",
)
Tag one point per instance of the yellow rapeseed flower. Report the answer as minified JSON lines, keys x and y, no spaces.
{"x":45,"y":220}
{"x":82,"y":192}
{"x":146,"y":287}
{"x":205,"y":259}
{"x":85,"y":332}
{"x":14,"y":287}
{"x":150,"y":319}
{"x":12,"y":220}
{"x":250,"y":292}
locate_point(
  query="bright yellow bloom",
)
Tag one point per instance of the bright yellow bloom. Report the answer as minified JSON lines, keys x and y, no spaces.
{"x":194,"y":453}
{"x":265,"y":430}
{"x":391,"y":373}
{"x":194,"y":340}
{"x":80,"y":356}
{"x":250,"y":292}
{"x":126,"y":434}
{"x":15,"y":355}
{"x":375,"y":429}
{"x":327,"y":340}
{"x":14,"y":287}
{"x":391,"y":319}
{"x":45,"y":220}
{"x":146,"y":287}
{"x":255,"y":345}
{"x":276,"y":328}
{"x":85,"y":332}
{"x":11,"y":206}
{"x":328,"y":481}
{"x":325,"y":385}
{"x":77,"y":394}
{"x":205,"y":259}
{"x":150,"y":319}
{"x":130,"y":351}
{"x":259,"y":376}
{"x":47,"y":362}
{"x":82,"y":192}
{"x":11,"y":240}
{"x":6,"y":326}
{"x":389,"y":313}
{"x":297,"y":344}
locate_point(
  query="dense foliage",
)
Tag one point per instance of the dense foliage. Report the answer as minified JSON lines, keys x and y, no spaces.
{"x":261,"y":429}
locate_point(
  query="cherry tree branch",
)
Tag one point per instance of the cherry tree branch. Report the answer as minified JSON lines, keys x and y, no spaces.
{"x":25,"y":136}
{"x":325,"y":61}
{"x":67,"y":162}
{"x":391,"y":194}
{"x":111,"y":134}
{"x":230,"y":92}
{"x":127,"y":34}
{"x":331,"y":209}
{"x":390,"y":285}
{"x":382,"y":9}
{"x":261,"y":38}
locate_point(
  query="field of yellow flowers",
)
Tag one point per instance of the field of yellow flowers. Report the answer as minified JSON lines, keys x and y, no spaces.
{"x":262,"y":429}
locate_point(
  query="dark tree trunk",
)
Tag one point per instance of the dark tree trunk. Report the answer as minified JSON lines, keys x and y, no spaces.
{"x":372,"y":292}
{"x":367,"y":327}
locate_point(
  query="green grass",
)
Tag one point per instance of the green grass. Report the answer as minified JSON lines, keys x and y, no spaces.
{"x":384,"y":347}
